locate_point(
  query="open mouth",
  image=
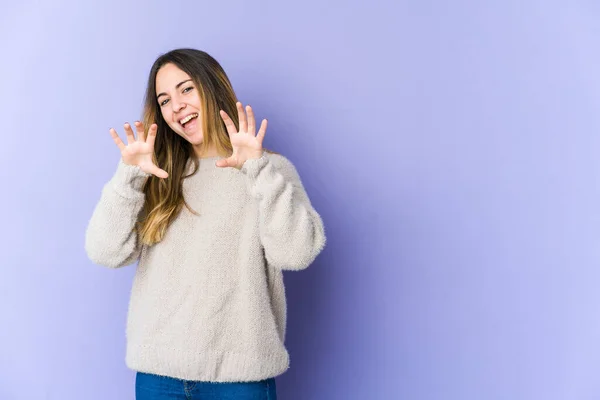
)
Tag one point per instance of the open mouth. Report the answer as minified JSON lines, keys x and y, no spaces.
{"x":187,"y":119}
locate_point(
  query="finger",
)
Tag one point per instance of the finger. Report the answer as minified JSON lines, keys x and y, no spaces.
{"x":129,"y":133}
{"x":152,"y":135}
{"x":225,"y":162}
{"x":262,"y":131}
{"x":242,"y":117}
{"x":117,"y":139}
{"x":161,"y":173}
{"x":228,"y":123}
{"x":139,"y":128}
{"x":251,"y":121}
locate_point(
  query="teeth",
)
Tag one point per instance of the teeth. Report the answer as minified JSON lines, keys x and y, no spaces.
{"x":186,"y":119}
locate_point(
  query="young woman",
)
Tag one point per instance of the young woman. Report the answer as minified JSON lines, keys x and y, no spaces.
{"x":213,"y":219}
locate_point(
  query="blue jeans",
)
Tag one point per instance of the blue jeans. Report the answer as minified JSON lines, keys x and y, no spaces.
{"x":155,"y":387}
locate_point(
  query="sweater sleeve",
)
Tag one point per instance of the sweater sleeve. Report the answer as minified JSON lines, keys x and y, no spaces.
{"x":111,"y":239}
{"x":291,"y":231}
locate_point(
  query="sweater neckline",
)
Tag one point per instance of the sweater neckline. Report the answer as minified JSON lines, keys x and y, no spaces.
{"x":207,"y":163}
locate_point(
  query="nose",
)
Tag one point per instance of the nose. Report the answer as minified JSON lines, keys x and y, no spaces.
{"x":177,"y":106}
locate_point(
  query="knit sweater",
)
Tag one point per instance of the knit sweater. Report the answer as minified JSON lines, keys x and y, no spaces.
{"x":208,"y":301}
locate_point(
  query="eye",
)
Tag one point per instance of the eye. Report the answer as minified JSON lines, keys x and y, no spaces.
{"x":164,"y":102}
{"x":187,"y":89}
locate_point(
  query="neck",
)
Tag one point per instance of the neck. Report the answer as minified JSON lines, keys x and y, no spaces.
{"x":208,"y":153}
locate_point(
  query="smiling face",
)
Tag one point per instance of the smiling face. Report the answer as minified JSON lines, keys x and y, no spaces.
{"x":179,"y":102}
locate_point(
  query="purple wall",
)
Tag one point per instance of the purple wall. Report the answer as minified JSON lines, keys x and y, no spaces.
{"x":451,"y":148}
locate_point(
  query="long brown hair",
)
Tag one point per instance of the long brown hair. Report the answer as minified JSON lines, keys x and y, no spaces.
{"x":164,"y":197}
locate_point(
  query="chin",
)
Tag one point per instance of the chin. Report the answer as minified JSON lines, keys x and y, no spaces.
{"x":195,"y":139}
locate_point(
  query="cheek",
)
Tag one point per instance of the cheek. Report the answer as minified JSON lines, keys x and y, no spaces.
{"x":167,"y":116}
{"x":165,"y":113}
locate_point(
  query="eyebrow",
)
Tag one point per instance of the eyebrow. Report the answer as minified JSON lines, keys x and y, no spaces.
{"x":176,"y":87}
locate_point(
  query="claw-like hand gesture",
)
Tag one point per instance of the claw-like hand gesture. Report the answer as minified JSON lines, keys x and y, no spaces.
{"x":139,"y":151}
{"x":246,"y":143}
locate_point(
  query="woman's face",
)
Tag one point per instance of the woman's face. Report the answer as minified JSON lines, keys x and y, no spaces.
{"x":179,"y":101}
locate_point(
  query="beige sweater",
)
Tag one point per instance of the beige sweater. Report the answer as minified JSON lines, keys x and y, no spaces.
{"x":208,"y":301}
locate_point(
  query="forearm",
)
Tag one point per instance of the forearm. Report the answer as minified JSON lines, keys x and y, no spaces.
{"x":111,"y":239}
{"x":291,"y":231}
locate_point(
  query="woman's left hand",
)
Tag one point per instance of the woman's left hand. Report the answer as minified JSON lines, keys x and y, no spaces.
{"x":247,"y":145}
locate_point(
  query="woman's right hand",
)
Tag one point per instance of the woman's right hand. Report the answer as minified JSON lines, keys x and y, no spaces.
{"x":139,"y":151}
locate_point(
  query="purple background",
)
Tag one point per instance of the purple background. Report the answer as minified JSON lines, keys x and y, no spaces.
{"x":451,"y":148}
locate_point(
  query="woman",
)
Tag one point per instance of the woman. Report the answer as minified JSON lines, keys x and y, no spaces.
{"x":213,"y":219}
